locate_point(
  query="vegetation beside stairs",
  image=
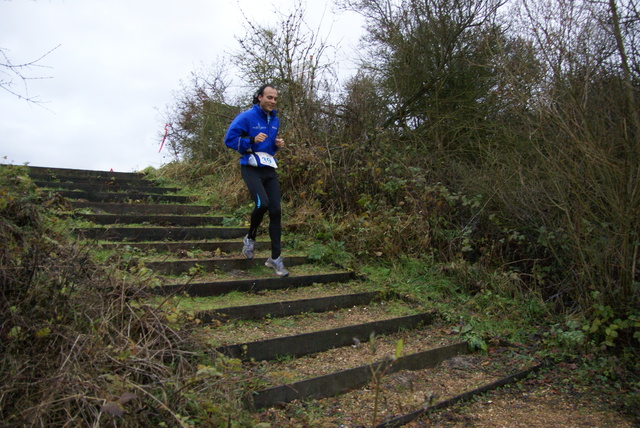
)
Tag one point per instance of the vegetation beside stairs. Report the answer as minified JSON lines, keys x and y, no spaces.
{"x":151,"y":317}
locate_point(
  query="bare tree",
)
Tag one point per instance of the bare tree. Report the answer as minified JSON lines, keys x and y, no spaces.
{"x":587,"y":135}
{"x":291,"y":56}
{"x":12,"y":75}
{"x":200,"y":115}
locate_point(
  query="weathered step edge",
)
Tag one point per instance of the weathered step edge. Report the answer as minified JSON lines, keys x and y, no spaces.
{"x":409,"y":417}
{"x":53,"y":179}
{"x":348,"y":380}
{"x":122,"y":197}
{"x":206,"y":289}
{"x":140,"y":208}
{"x":99,"y":187}
{"x":53,"y":171}
{"x":178,"y":267}
{"x":172,"y":247}
{"x":288,"y":308}
{"x":136,"y":234}
{"x":319,"y":341}
{"x":173,"y":220}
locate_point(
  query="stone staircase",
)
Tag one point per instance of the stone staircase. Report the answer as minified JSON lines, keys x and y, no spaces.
{"x":322,"y":337}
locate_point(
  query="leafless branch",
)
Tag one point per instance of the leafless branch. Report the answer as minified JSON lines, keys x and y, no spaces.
{"x":11,"y":74}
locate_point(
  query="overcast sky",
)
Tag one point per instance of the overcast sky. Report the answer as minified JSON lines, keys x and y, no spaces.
{"x":115,"y":68}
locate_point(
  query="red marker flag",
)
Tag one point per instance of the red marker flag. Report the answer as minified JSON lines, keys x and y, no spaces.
{"x":166,"y":131}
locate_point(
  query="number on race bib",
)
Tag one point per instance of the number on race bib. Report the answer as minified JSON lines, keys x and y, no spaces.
{"x":266,"y":159}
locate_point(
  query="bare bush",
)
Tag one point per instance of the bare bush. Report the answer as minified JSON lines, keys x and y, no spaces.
{"x":81,"y":343}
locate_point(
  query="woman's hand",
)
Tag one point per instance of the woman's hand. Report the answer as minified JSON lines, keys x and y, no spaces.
{"x":279,"y":143}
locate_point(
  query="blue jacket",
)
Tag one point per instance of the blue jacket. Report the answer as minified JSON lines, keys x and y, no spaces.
{"x":246,"y":126}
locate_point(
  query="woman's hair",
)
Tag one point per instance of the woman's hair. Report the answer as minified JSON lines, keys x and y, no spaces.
{"x":260,"y":92}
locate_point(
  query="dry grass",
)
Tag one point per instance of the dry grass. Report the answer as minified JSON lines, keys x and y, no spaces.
{"x":78,"y":350}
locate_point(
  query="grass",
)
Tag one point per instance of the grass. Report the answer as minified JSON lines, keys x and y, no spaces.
{"x":191,"y":304}
{"x":73,"y":304}
{"x":481,"y":314}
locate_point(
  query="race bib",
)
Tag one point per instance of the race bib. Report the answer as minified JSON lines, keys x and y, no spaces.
{"x":262,"y":159}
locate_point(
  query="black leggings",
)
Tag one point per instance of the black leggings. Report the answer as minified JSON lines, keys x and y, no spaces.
{"x":264,"y":188}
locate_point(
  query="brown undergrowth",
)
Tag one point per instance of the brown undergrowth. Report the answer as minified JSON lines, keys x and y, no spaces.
{"x":77,"y":348}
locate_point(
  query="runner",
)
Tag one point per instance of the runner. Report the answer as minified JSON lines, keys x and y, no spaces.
{"x":254,"y":134}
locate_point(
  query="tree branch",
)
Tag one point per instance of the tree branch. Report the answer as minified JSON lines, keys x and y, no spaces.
{"x":10,"y":72}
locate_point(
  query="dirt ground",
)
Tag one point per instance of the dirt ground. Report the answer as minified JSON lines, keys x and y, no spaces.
{"x":537,"y":402}
{"x":547,"y":399}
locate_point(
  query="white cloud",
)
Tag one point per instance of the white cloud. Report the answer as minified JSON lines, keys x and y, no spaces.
{"x":117,"y":64}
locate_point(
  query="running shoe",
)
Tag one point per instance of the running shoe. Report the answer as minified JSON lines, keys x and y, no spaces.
{"x":247,"y":249}
{"x":277,"y":265}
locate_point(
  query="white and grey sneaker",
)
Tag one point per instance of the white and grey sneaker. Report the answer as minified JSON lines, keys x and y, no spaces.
{"x":277,"y":265}
{"x":247,"y":249}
